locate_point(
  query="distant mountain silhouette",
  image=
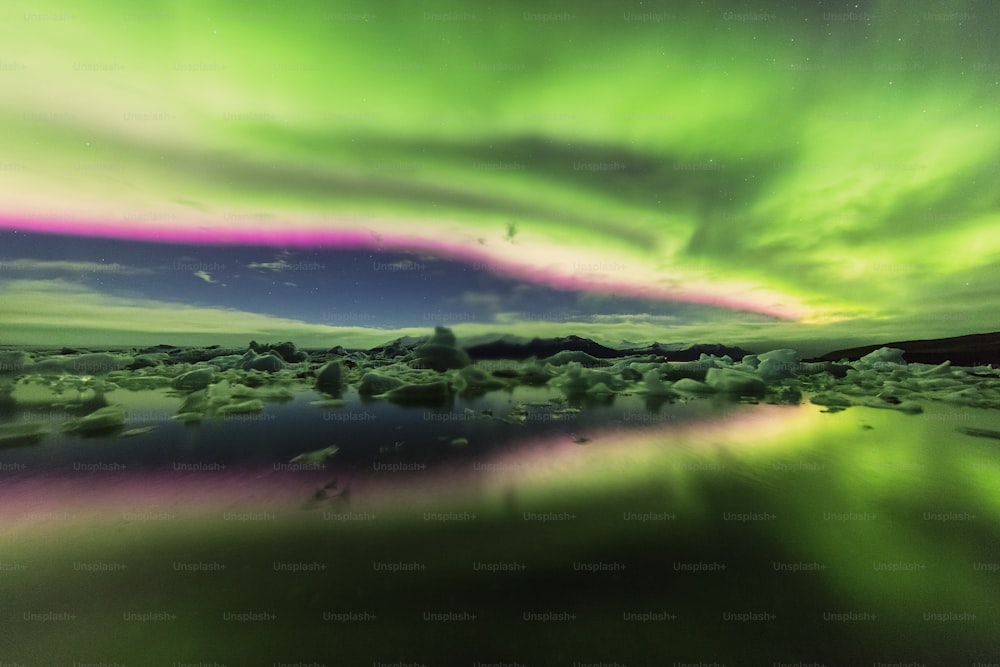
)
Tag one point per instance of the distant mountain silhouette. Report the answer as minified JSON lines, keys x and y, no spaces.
{"x":971,"y":350}
{"x":546,"y":347}
{"x":540,"y":347}
{"x":691,"y":352}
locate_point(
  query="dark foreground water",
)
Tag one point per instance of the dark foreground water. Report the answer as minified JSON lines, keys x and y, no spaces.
{"x":628,"y":533}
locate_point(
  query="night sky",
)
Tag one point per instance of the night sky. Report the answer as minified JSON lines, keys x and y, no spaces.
{"x":810,"y":174}
{"x":361,"y":288}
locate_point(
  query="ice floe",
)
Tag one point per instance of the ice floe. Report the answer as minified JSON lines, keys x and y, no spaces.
{"x":215,"y":382}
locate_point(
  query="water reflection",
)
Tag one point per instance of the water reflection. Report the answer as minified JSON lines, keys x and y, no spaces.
{"x":869,"y":533}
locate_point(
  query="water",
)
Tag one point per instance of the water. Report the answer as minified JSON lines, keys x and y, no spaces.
{"x":704,"y":532}
{"x":364,"y":429}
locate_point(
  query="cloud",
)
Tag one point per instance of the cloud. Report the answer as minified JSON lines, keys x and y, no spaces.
{"x":279,"y":265}
{"x":59,"y":312}
{"x":66,"y":266}
{"x":520,"y":317}
{"x":492,"y":301}
{"x":206,"y":276}
{"x":635,"y":318}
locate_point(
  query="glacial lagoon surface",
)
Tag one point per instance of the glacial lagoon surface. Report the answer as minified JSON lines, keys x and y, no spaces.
{"x":533,"y":520}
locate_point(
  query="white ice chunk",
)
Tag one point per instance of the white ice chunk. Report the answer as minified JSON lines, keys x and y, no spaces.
{"x":440,"y":353}
{"x":778,"y":364}
{"x":12,"y":435}
{"x":882,"y":359}
{"x":433,"y":392}
{"x":737,"y":383}
{"x":831,"y":399}
{"x":654,"y":385}
{"x":103,"y":419}
{"x":578,"y":380}
{"x":13,"y":362}
{"x":373,"y":384}
{"x":241,"y":407}
{"x":926,"y":370}
{"x":689,"y":386}
{"x":193,"y":380}
{"x":268,"y":363}
{"x":330,"y":377}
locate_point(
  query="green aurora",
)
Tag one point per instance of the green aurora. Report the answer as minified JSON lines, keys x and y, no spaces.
{"x":833,"y":167}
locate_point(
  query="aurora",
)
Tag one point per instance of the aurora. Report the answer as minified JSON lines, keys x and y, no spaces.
{"x":831,"y":171}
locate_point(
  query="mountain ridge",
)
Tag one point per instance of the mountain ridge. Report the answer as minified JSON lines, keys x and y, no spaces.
{"x":516,"y":348}
{"x":968,"y":350}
